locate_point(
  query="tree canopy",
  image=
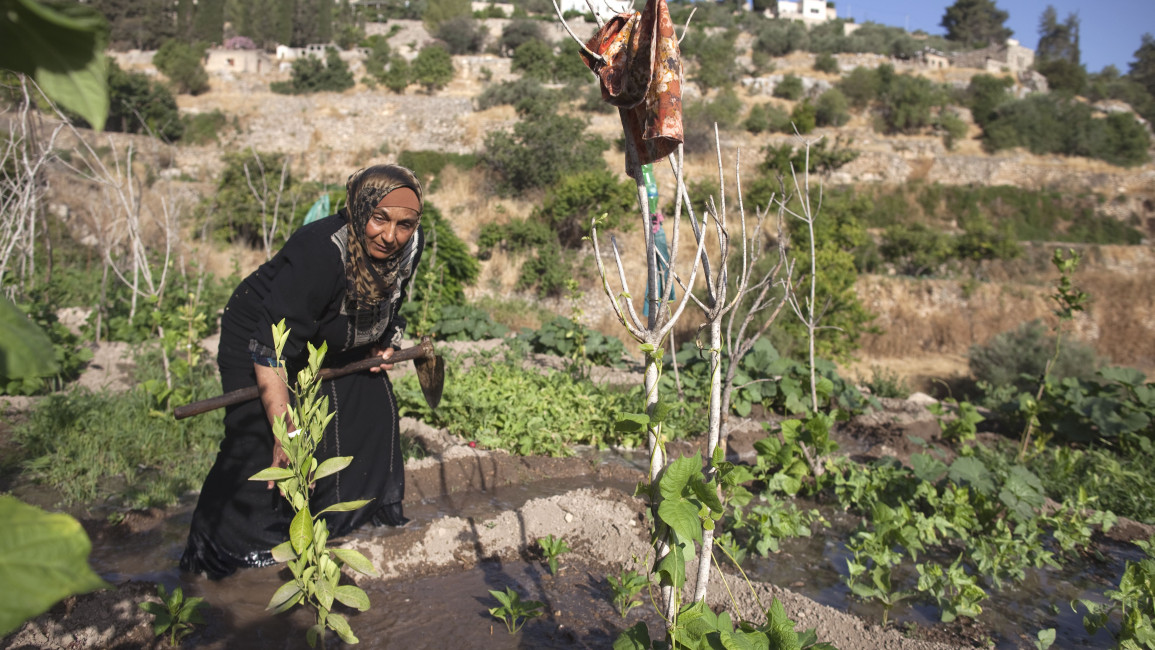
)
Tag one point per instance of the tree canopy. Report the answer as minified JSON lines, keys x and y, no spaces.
{"x":976,"y":23}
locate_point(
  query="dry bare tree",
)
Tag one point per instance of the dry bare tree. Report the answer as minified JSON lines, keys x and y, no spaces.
{"x":25,"y":155}
{"x":268,"y":199}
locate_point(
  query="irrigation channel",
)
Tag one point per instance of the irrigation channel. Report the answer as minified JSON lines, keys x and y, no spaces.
{"x":475,"y":516}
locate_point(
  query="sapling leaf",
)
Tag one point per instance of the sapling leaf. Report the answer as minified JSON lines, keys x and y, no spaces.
{"x":352,"y":596}
{"x":339,"y":625}
{"x":273,"y":474}
{"x":325,"y":594}
{"x":345,"y":506}
{"x":284,"y":597}
{"x":301,"y":530}
{"x":331,"y":466}
{"x":354,"y":560}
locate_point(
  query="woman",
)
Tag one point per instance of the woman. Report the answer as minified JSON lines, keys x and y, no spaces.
{"x":339,"y":280}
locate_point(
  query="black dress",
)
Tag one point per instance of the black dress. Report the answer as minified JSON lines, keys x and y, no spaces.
{"x":238,"y":521}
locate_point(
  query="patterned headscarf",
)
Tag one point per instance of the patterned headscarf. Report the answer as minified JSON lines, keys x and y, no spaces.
{"x":370,"y":280}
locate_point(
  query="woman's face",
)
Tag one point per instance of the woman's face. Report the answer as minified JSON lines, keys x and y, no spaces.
{"x":389,"y":229}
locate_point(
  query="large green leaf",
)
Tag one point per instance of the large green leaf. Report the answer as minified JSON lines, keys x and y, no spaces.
{"x":62,"y":49}
{"x":682,"y":516}
{"x":354,"y":560}
{"x":301,"y":531}
{"x":25,"y":350}
{"x":635,"y":638}
{"x":677,"y":475}
{"x":43,"y":558}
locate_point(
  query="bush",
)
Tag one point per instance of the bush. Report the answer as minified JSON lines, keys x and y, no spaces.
{"x":1046,"y":124}
{"x":568,"y":66}
{"x":826,"y":62}
{"x":462,"y":35}
{"x":525,"y":91}
{"x":789,"y":88}
{"x":518,"y":33}
{"x":398,"y":75}
{"x":236,"y":213}
{"x":915,"y":249}
{"x":715,"y":58}
{"x":309,"y":75}
{"x":136,"y":104}
{"x":781,"y":37}
{"x":541,"y":150}
{"x":984,"y":94}
{"x":378,"y":59}
{"x":831,"y":108}
{"x":767,"y":117}
{"x":433,"y":67}
{"x":427,"y":165}
{"x":700,"y":117}
{"x":1019,"y":356}
{"x":906,"y":104}
{"x":534,"y":60}
{"x":954,"y":129}
{"x":181,"y":63}
{"x":860,"y":87}
{"x":203,"y":128}
{"x":577,"y":198}
{"x":804,"y":117}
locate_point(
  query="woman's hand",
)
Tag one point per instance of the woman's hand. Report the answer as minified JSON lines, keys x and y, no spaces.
{"x":280,"y":459}
{"x":384,"y":353}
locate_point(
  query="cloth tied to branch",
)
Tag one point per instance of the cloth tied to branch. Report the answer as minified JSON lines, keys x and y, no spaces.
{"x":642,"y":75}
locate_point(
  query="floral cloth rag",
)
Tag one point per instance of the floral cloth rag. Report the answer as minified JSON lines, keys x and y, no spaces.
{"x":642,"y":75}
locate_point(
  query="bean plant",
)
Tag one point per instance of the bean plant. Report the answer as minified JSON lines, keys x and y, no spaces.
{"x":316,"y":568}
{"x":174,"y":614}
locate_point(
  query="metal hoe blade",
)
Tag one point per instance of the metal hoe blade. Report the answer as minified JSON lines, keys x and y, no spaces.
{"x":431,"y":376}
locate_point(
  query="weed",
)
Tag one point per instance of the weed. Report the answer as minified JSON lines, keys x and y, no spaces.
{"x":514,"y":611}
{"x":175,"y":614}
{"x":886,"y":383}
{"x":626,"y":586}
{"x":551,"y":548}
{"x":1133,"y":601}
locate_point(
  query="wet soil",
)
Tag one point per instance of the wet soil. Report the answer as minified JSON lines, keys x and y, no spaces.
{"x":476,"y":516}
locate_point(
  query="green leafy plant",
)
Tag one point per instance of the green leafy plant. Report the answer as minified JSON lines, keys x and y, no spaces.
{"x":956,"y":592}
{"x":316,"y":568}
{"x":1133,"y":601}
{"x":958,"y":420}
{"x":626,"y":587}
{"x":43,"y":558}
{"x":551,"y":548}
{"x":513,"y":611}
{"x":174,"y":614}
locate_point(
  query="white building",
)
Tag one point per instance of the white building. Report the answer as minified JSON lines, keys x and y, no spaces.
{"x":809,"y":11}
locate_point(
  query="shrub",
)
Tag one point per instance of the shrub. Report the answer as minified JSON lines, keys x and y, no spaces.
{"x":136,"y":104}
{"x":517,"y":91}
{"x":397,"y":76}
{"x":715,"y":58}
{"x":954,"y":129}
{"x":1017,"y":358}
{"x":577,"y":198}
{"x":181,"y":63}
{"x":203,"y":128}
{"x":1046,"y":124}
{"x":831,"y":108}
{"x":534,"y":59}
{"x":826,"y":62}
{"x":766,"y":117}
{"x":860,"y":87}
{"x":236,"y":213}
{"x":804,"y":117}
{"x":568,"y":66}
{"x":781,"y":37}
{"x":789,"y":88}
{"x":427,"y":165}
{"x":462,"y":35}
{"x":433,"y":67}
{"x":984,"y":94}
{"x":906,"y":104}
{"x":540,"y":151}
{"x":700,"y":116}
{"x":378,"y":59}
{"x":915,"y":249}
{"x":517,"y":33}
{"x":310,"y":75}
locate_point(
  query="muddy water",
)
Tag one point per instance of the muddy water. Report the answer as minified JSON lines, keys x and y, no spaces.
{"x":815,"y":567}
{"x":445,"y":609}
{"x":448,"y":607}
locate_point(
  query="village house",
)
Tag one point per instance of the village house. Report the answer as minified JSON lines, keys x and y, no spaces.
{"x":1004,"y":57}
{"x":808,"y":11}
{"x":221,"y":61}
